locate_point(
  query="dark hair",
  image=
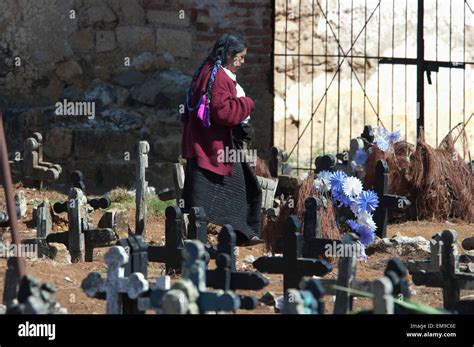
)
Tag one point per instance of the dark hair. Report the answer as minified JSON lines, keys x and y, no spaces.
{"x":228,"y":43}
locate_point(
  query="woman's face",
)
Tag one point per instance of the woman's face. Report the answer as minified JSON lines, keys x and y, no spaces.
{"x":235,"y":61}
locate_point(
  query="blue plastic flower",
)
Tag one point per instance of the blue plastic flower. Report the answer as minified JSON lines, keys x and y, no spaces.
{"x":337,"y":179}
{"x":393,"y":136}
{"x":382,"y":143}
{"x":325,"y":175}
{"x":353,"y":225}
{"x":360,"y":157}
{"x":367,"y":235}
{"x":368,"y":201}
{"x":340,"y":197}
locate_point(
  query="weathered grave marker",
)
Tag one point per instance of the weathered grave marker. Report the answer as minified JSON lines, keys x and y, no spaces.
{"x":77,"y":182}
{"x":314,"y":245}
{"x":170,"y":253}
{"x":326,"y":162}
{"x":115,"y":285}
{"x":449,"y":277}
{"x":292,"y":265}
{"x":194,"y":270}
{"x":43,"y":228}
{"x":307,"y":300}
{"x":386,"y":201}
{"x":81,"y":238}
{"x":35,"y":298}
{"x":178,"y":178}
{"x":143,"y":148}
{"x":117,"y":220}
{"x":346,"y":275}
{"x":33,"y":164}
{"x":225,"y":275}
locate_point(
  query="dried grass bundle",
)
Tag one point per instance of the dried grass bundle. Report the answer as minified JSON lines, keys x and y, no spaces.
{"x":261,"y":168}
{"x":436,"y":180}
{"x":442,"y":182}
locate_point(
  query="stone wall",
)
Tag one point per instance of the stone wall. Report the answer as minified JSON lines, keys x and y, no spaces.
{"x":134,"y":59}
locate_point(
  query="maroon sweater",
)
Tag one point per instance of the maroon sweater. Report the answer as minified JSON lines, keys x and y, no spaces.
{"x":227,"y":110}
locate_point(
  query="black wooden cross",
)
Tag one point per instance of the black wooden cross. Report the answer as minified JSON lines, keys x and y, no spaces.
{"x":422,"y":65}
{"x":77,"y":182}
{"x":449,"y":277}
{"x":197,"y":227}
{"x":292,"y":265}
{"x":225,"y":275}
{"x":93,"y":238}
{"x":170,"y":253}
{"x":308,"y":300}
{"x":386,"y":201}
{"x":81,"y":238}
{"x":326,"y":162}
{"x":314,"y":245}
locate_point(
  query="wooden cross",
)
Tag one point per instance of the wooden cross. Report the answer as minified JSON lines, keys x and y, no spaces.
{"x":189,"y":295}
{"x":225,"y":275}
{"x":432,"y":264}
{"x":449,"y":277}
{"x":386,"y":201}
{"x":308,"y":300}
{"x":292,"y":265}
{"x":77,"y":182}
{"x":81,"y":239}
{"x":314,"y":245}
{"x":115,"y":286}
{"x":197,"y":227}
{"x":170,"y":253}
{"x":143,"y":148}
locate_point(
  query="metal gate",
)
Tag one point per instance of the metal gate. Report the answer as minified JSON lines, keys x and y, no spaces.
{"x":342,"y":64}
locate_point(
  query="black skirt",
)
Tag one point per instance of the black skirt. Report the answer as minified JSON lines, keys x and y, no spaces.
{"x":234,"y":200}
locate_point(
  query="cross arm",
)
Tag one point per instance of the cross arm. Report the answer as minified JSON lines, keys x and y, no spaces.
{"x":247,"y":281}
{"x":394,"y":202}
{"x":310,"y":267}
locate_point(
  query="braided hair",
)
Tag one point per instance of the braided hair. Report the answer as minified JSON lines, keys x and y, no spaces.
{"x":225,"y":45}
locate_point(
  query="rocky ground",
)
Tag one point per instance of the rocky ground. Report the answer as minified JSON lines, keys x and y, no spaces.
{"x":67,"y":277}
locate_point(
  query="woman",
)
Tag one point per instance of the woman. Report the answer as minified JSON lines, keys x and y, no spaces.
{"x":217,"y":120}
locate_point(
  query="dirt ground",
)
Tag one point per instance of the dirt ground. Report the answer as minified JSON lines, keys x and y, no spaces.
{"x":67,"y":277}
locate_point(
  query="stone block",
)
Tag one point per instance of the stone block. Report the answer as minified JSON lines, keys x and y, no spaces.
{"x":105,"y":41}
{"x":135,"y":38}
{"x":166,"y":88}
{"x":58,"y":143}
{"x":166,"y":18}
{"x":176,"y":42}
{"x":102,"y":144}
{"x":59,"y":253}
{"x":129,"y":78}
{"x":129,"y":12}
{"x":68,"y":70}
{"x":82,"y":41}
